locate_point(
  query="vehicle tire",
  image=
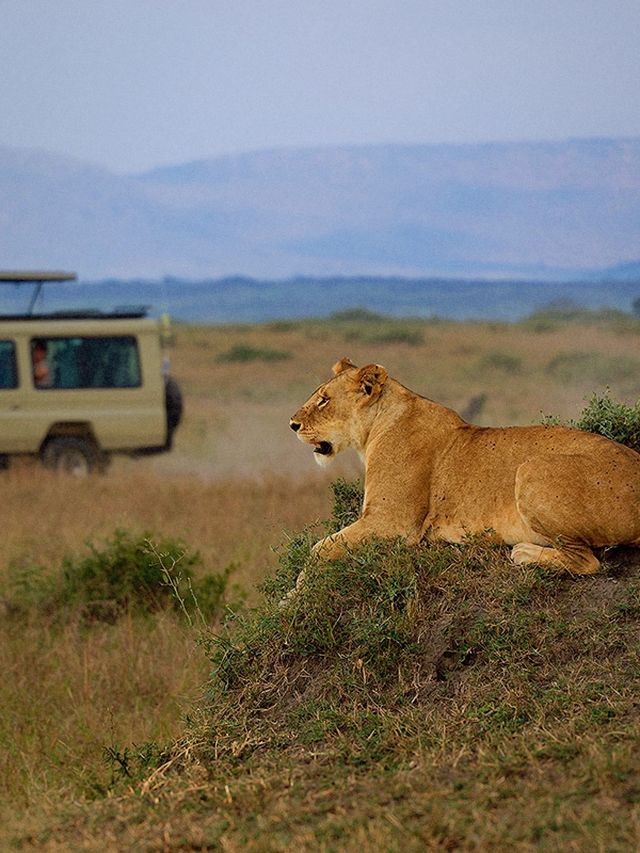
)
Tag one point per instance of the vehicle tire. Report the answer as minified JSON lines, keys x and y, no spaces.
{"x":70,"y":455}
{"x":173,"y":405}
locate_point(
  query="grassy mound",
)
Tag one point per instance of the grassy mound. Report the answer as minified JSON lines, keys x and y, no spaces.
{"x":431,"y":698}
{"x":450,"y":633}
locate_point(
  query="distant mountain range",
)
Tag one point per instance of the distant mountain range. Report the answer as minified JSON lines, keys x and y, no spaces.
{"x":543,"y":210}
{"x":247,"y":300}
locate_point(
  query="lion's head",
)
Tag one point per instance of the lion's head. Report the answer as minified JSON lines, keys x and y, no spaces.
{"x":340,"y":412}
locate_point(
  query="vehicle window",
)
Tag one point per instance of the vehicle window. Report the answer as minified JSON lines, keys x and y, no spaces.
{"x":8,"y":371}
{"x":85,"y":362}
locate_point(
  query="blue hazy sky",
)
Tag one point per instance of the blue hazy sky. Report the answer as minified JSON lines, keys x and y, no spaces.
{"x":131,"y":84}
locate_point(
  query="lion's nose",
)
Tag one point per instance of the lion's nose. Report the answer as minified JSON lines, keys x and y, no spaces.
{"x":295,"y":426}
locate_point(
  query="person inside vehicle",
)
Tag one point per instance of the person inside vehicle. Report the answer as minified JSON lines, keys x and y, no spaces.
{"x":41,"y":373}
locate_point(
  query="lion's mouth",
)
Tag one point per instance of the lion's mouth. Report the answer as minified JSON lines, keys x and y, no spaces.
{"x":324,"y":448}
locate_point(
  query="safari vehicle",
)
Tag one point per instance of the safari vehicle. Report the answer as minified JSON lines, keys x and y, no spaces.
{"x":78,"y":386}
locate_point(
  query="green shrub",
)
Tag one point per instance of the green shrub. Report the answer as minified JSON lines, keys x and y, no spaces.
{"x":592,"y":367}
{"x":242,"y":353}
{"x":563,"y":312}
{"x":364,"y":326}
{"x":357,"y":315}
{"x":283,"y":325}
{"x":560,"y":309}
{"x":502,"y":362}
{"x":125,"y":574}
{"x":389,"y":333}
{"x":604,"y":416}
{"x":131,"y":764}
{"x":347,"y":503}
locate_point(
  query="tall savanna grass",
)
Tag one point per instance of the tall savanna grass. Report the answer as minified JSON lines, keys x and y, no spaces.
{"x":71,"y":689}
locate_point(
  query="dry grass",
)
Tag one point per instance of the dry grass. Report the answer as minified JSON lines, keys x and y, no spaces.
{"x":229,"y":521}
{"x":236,"y":482}
{"x":237,"y":412}
{"x":68,"y":692}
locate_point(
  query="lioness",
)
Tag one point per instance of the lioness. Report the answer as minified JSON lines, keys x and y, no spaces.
{"x":552,"y":492}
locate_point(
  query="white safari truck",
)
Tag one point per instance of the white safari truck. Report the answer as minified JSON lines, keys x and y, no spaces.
{"x":76,"y":387}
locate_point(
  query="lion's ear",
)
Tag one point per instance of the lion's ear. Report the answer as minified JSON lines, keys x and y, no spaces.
{"x":342,"y":365}
{"x":371,"y":379}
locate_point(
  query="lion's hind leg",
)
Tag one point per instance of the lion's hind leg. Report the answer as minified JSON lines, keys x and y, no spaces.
{"x":568,"y":504}
{"x":575,"y":558}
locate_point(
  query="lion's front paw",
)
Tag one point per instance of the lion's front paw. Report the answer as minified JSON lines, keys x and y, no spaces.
{"x":315,"y":549}
{"x":326,"y":549}
{"x":291,"y":595}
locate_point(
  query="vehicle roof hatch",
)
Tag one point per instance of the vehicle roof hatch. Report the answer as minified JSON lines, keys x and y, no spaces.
{"x":36,"y":278}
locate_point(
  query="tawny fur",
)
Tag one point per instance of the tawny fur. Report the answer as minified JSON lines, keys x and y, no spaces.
{"x":554,"y":493}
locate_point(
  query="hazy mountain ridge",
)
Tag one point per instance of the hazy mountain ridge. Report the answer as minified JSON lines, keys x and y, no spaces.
{"x":240,"y":299}
{"x":544,"y":210}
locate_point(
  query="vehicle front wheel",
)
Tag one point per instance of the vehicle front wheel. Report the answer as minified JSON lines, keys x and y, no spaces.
{"x":71,"y":455}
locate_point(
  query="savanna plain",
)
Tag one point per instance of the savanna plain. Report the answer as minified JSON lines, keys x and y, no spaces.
{"x":155,"y":696}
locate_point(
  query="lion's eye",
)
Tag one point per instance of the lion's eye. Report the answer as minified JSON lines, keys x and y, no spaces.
{"x":322,"y":402}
